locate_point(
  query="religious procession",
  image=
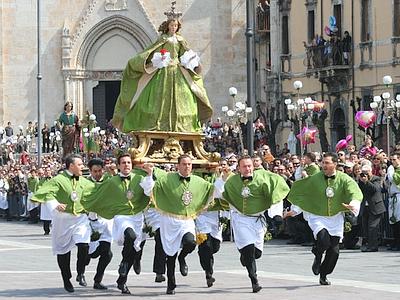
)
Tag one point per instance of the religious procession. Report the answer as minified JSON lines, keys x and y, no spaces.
{"x":167,"y":167}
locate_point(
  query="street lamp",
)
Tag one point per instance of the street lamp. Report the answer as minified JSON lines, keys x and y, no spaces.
{"x":299,"y":107}
{"x":385,"y":105}
{"x":239,"y":114}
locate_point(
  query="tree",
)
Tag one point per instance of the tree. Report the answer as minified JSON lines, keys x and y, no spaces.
{"x":318,"y":119}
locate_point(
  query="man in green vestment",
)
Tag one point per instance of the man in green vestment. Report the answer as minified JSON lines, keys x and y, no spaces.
{"x":208,"y":225}
{"x":250,"y":194}
{"x":101,"y":246}
{"x":63,"y":195}
{"x":323,"y":198}
{"x":124,"y":197}
{"x":180,"y":197}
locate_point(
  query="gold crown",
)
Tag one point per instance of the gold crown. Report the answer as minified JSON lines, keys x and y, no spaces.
{"x":172,"y":14}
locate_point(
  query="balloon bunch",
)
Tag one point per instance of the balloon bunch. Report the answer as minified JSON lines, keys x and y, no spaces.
{"x":342,"y":144}
{"x":331,"y":29}
{"x":365,"y":118}
{"x":307,"y":136}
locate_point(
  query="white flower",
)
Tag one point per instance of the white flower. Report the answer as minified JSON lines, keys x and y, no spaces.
{"x":85,"y":130}
{"x":87,"y":134}
{"x":92,"y":117}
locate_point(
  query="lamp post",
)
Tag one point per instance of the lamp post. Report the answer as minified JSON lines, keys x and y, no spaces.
{"x":238,"y":114}
{"x":299,"y":108}
{"x":38,"y":78}
{"x":385,"y":105}
{"x":250,"y":68}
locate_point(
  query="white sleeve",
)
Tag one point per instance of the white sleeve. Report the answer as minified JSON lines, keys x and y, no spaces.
{"x":297,"y":210}
{"x":276,"y":210}
{"x":356,"y":205}
{"x":389,"y":174}
{"x":147,"y":184}
{"x":218,"y":187}
{"x":51,"y":205}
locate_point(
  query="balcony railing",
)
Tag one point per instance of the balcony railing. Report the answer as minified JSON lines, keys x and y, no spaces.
{"x":325,"y":56}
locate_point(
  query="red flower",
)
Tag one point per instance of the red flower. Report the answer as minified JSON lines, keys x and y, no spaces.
{"x":163,"y":51}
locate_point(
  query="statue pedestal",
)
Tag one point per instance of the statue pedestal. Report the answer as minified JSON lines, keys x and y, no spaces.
{"x":166,"y":147}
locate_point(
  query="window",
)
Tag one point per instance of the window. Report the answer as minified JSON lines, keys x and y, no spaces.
{"x":366,"y":99}
{"x":396,"y":18}
{"x":337,"y":12}
{"x":365,"y":20}
{"x":311,"y":25}
{"x":285,"y":35}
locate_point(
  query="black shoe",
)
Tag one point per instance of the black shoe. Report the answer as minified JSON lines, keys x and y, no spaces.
{"x":316,"y":265}
{"x":46,"y":233}
{"x":99,"y":286}
{"x":369,"y":250}
{"x":170,"y":291}
{"x":81,"y":279}
{"x":68,"y":286}
{"x":123,"y":269}
{"x":256,"y":287}
{"x":324,"y":281}
{"x":124,"y":289}
{"x":137,"y":267}
{"x":183,"y":266}
{"x":210,"y":281}
{"x":159,"y":278}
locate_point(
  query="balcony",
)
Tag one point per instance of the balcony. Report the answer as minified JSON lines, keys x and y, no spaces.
{"x":263,"y":19}
{"x":330,"y":64}
{"x":327,"y":57}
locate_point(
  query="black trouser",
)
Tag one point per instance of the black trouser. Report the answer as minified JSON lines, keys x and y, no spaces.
{"x":206,"y":254}
{"x":129,"y":254}
{"x":46,"y":226}
{"x":248,"y":256}
{"x":330,"y":245}
{"x":188,"y":245}
{"x":104,"y":252}
{"x":396,"y":235}
{"x":370,"y":225}
{"x":64,"y":260}
{"x":159,"y":255}
{"x":34,"y":214}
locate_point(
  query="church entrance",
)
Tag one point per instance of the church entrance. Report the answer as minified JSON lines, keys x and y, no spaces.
{"x":105,"y":96}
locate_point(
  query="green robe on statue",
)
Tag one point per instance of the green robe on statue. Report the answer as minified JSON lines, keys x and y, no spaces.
{"x":61,"y":188}
{"x":310,"y":194}
{"x":167,"y":99}
{"x":168,"y":192}
{"x":266,"y":189}
{"x":110,"y":198}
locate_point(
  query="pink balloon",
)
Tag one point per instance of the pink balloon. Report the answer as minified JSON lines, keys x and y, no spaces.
{"x":365,"y":118}
{"x":342,"y":144}
{"x":307,"y":136}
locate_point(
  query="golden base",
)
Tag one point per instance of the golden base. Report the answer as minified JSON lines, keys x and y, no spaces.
{"x":166,"y":147}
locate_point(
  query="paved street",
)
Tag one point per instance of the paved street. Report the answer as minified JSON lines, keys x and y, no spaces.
{"x":28,"y":270}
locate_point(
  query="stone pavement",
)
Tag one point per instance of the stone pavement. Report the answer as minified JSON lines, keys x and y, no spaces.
{"x":29,"y":271}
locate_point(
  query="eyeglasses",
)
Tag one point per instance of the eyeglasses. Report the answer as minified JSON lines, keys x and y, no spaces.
{"x":296,"y":164}
{"x":341,"y":154}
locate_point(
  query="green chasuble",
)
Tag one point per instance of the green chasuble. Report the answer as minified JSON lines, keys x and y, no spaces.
{"x":257,"y":195}
{"x":111,"y":197}
{"x":217,"y":204}
{"x":310,"y":194}
{"x":65,"y":190}
{"x":33,"y":184}
{"x":312,"y":169}
{"x":396,"y":177}
{"x":169,"y":192}
{"x":167,"y":99}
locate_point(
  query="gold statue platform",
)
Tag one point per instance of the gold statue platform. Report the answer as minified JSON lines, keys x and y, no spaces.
{"x":166,"y":147}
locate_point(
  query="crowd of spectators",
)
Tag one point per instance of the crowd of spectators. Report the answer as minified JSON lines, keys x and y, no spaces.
{"x":18,"y":164}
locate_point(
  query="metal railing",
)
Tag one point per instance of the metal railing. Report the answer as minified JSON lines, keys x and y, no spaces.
{"x":329,"y":54}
